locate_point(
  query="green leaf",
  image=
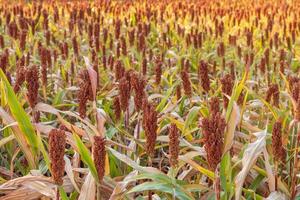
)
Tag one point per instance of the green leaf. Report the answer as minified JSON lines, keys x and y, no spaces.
{"x":162,"y":187}
{"x":225,"y":174}
{"x":132,"y":163}
{"x":21,"y":116}
{"x":189,"y":120}
{"x":85,"y":155}
{"x":163,"y":102}
{"x":62,"y":193}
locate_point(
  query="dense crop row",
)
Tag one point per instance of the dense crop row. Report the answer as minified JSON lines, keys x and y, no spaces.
{"x":150,"y":100}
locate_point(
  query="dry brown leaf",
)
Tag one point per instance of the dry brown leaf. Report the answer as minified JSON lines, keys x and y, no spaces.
{"x":88,"y":189}
{"x":233,"y":121}
{"x":250,"y":155}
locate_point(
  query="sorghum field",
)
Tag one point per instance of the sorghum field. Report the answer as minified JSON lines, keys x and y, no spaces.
{"x":150,"y":100}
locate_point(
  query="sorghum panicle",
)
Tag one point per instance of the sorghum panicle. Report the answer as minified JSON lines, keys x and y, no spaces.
{"x":138,"y":83}
{"x":75,"y":46}
{"x":32,"y":79}
{"x":227,"y":86}
{"x":57,"y":142}
{"x":85,"y":92}
{"x":99,"y":156}
{"x":119,"y":70}
{"x":203,"y":74}
{"x":213,"y":128}
{"x":178,"y":92}
{"x":150,"y":126}
{"x":144,"y":66}
{"x":117,"y":108}
{"x":20,"y":77}
{"x":158,"y":72}
{"x":277,"y":146}
{"x":186,"y":83}
{"x":273,"y":93}
{"x":124,"y":93}
{"x":214,"y":105}
{"x":173,"y":144}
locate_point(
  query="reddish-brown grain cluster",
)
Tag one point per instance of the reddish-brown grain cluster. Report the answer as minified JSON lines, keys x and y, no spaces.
{"x":57,"y":142}
{"x":273,"y":93}
{"x":203,"y":74}
{"x":32,"y":79}
{"x":186,"y":83}
{"x":117,"y":108}
{"x":45,"y":55}
{"x":173,"y":145}
{"x":213,"y":128}
{"x":294,"y":84}
{"x":227,"y":86}
{"x":20,"y":77}
{"x":124,"y":93}
{"x":99,"y":156}
{"x":85,"y":92}
{"x":178,"y":92}
{"x":119,"y":70}
{"x":158,"y":72}
{"x":277,"y":146}
{"x":138,"y":83}
{"x":153,"y":53}
{"x":150,"y":126}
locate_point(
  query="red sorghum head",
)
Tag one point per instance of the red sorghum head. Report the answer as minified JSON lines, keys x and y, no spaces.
{"x":150,"y":126}
{"x":203,"y":75}
{"x":227,"y":86}
{"x":273,"y":92}
{"x":85,"y":92}
{"x":277,"y":146}
{"x":186,"y":83}
{"x":138,"y":84}
{"x":213,"y":128}
{"x":124,"y":93}
{"x":117,"y":107}
{"x":57,"y":142}
{"x":20,"y":77}
{"x":99,"y":156}
{"x":173,"y":144}
{"x":32,"y":79}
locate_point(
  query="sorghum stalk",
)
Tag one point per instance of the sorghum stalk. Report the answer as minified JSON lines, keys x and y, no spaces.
{"x":294,"y":169}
